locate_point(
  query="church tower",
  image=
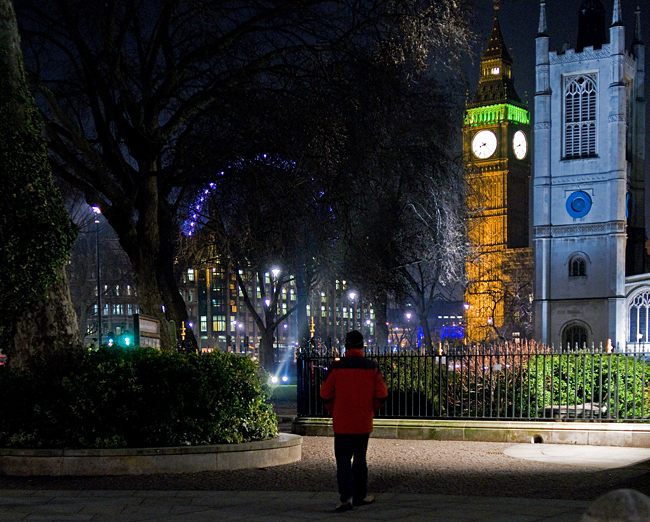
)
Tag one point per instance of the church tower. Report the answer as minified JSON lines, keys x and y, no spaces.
{"x":589,"y":219}
{"x":496,"y":135}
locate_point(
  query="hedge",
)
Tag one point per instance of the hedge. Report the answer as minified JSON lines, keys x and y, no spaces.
{"x":135,"y":398}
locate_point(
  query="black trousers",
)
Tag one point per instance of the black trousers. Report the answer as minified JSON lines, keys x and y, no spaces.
{"x":351,"y":467}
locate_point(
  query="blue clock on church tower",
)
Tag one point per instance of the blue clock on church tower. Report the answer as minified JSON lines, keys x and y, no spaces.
{"x":578,"y":204}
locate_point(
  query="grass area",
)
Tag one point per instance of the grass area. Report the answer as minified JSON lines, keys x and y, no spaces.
{"x":284,"y":393}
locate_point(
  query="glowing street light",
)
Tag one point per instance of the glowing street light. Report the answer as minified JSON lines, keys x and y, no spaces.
{"x":352,"y":296}
{"x":97,"y":212}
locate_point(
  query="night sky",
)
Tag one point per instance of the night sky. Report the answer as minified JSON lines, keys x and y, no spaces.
{"x":519,"y":21}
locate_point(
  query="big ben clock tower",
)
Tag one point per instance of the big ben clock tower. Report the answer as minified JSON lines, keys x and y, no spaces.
{"x":496,"y":145}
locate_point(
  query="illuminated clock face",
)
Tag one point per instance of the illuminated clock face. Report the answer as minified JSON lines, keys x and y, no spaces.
{"x":484,"y":144}
{"x":520,"y":145}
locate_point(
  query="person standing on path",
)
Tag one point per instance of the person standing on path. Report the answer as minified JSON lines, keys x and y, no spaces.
{"x":353,"y":392}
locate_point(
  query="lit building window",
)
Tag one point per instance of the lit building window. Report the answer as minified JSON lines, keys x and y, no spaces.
{"x":580,"y":116}
{"x":190,"y":274}
{"x":496,"y":70}
{"x":204,"y":323}
{"x":219,"y":323}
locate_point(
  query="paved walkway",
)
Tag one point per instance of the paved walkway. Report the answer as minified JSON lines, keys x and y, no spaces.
{"x":192,"y":506}
{"x":271,"y":506}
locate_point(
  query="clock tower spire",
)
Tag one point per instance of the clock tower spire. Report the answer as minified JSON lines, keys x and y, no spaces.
{"x":496,"y":136}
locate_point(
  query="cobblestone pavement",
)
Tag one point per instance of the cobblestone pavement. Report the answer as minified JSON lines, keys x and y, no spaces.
{"x":279,"y":506}
{"x":475,"y":469}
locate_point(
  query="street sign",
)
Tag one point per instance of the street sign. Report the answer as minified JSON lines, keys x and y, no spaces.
{"x":146,"y":331}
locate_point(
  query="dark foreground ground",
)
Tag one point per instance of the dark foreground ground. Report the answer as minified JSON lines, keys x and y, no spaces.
{"x":396,"y":466}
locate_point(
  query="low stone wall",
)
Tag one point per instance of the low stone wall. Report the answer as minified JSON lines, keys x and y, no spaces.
{"x":284,"y":449}
{"x":560,"y":432}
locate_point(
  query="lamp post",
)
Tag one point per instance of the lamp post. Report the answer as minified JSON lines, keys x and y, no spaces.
{"x":408,"y":331}
{"x":369,"y":326}
{"x":275,"y":288}
{"x":352,"y":296}
{"x":97,"y":212}
{"x":465,"y":321}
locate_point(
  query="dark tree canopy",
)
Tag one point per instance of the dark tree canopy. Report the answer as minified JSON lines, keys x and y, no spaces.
{"x":146,"y":100}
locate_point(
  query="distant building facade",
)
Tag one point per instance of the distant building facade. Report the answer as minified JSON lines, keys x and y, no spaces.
{"x":220,"y":318}
{"x":589,"y":185}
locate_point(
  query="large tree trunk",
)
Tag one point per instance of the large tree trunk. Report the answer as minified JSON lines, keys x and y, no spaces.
{"x":150,"y":294}
{"x":302,"y":299}
{"x":47,"y":327}
{"x":149,"y":244}
{"x":381,"y":320}
{"x":37,"y":234}
{"x":427,"y":341}
{"x":266,"y":350}
{"x":168,"y":279}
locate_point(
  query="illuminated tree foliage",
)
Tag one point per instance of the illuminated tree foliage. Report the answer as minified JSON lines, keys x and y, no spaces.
{"x":403,"y":237}
{"x":35,"y":231}
{"x":129,"y":85}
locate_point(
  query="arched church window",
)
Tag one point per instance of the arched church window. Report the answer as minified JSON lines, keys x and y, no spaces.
{"x":580,"y":116}
{"x":574,"y":338}
{"x":577,"y":267}
{"x":638,"y":311}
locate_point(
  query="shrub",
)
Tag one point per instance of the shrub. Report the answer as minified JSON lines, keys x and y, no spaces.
{"x":135,"y":398}
{"x":617,"y":381}
{"x":413,"y":382}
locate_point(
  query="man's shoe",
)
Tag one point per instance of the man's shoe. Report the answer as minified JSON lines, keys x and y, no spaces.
{"x":364,"y":502}
{"x":344,"y":506}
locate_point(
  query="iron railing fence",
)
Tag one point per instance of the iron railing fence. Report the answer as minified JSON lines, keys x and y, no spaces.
{"x":522,"y":381}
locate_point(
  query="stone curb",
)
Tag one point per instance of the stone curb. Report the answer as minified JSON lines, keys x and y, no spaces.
{"x":284,"y":449}
{"x":573,"y":432}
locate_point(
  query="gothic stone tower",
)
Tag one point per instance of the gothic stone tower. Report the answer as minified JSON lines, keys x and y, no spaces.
{"x":496,"y":145}
{"x":589,"y":185}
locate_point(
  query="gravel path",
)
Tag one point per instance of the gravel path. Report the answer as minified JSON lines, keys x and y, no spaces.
{"x":396,"y":466}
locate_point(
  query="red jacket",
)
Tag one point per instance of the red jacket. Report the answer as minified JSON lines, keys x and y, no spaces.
{"x":353,"y":391}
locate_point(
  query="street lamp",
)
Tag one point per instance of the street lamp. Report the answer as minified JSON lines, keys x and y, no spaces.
{"x":352,"y":296}
{"x":97,"y":212}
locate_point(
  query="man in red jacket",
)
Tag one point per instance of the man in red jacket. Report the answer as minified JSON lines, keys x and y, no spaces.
{"x":353,"y":392}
